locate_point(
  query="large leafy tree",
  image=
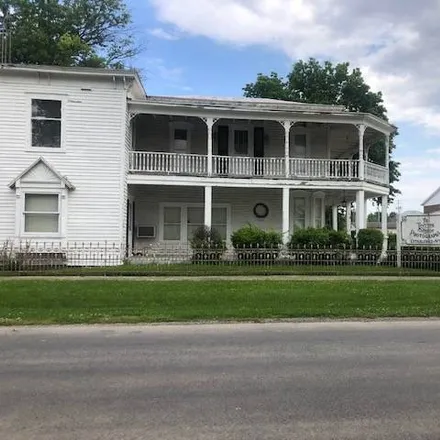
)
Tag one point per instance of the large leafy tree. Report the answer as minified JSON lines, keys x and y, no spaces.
{"x":327,"y":83}
{"x":92,"y":33}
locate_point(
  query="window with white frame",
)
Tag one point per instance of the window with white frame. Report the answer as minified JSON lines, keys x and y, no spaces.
{"x":46,"y":123}
{"x":196,"y":218}
{"x":172,"y":223}
{"x":241,"y":142}
{"x":41,"y":213}
{"x":299,"y":213}
{"x":180,"y":222}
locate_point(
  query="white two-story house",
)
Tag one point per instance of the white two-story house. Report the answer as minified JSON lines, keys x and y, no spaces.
{"x":87,"y":156}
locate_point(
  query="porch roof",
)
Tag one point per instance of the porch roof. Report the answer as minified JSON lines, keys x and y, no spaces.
{"x":255,"y":108}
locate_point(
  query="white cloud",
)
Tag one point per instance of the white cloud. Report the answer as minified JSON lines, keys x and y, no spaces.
{"x":157,"y":67}
{"x":173,"y":77}
{"x":394,"y":41}
{"x":163,"y":34}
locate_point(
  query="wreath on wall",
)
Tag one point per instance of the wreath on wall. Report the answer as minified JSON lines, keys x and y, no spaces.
{"x":261,"y":210}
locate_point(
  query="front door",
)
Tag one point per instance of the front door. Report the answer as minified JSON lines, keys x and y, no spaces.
{"x":222,"y":163}
{"x":259,"y":150}
{"x":300,"y":152}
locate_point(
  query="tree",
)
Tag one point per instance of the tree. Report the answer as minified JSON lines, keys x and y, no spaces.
{"x":93,"y":33}
{"x":325,"y":83}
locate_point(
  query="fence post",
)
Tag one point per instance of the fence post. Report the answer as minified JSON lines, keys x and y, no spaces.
{"x":399,"y":240}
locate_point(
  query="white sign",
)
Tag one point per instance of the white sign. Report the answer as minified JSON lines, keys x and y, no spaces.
{"x":421,"y":230}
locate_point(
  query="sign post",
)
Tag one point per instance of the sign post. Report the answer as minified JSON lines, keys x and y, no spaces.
{"x":399,"y":239}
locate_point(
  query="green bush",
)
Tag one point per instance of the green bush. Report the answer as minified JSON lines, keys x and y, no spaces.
{"x":392,"y":241}
{"x":370,"y":239}
{"x":207,"y":238}
{"x":339,"y":239}
{"x":251,"y":236}
{"x":310,"y":237}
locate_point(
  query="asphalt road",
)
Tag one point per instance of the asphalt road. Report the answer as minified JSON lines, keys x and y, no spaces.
{"x":376,"y":380}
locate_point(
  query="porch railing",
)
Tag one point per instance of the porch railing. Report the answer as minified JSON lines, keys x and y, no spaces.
{"x":376,"y":173}
{"x":265,"y":167}
{"x":168,"y":163}
{"x":327,"y":169}
{"x":268,"y":167}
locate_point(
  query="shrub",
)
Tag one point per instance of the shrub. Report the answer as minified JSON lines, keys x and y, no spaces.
{"x":251,"y":236}
{"x":339,"y":238}
{"x":207,"y":238}
{"x":370,"y":239}
{"x":310,"y":237}
{"x":392,"y":241}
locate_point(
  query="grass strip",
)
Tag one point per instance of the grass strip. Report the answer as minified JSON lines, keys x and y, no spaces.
{"x":119,"y":301}
{"x":185,"y":269}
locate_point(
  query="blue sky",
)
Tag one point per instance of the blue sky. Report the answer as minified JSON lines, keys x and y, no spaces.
{"x":215,"y":47}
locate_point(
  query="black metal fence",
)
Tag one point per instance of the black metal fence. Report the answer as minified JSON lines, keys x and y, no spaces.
{"x":110,"y":259}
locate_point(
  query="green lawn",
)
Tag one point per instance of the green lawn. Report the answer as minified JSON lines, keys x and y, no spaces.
{"x":97,"y":301}
{"x":188,"y":269}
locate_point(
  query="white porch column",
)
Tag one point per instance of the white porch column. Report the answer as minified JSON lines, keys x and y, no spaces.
{"x":385,"y":217}
{"x":208,"y":206}
{"x":287,"y":126}
{"x":348,"y":218}
{"x":335,"y":217}
{"x":209,"y":123}
{"x":361,"y":129}
{"x":366,"y":212}
{"x":286,"y":215}
{"x":360,"y":210}
{"x":387,"y":155}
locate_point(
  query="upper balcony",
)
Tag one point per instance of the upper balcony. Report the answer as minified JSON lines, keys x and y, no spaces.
{"x":253,"y":167}
{"x":171,"y":137}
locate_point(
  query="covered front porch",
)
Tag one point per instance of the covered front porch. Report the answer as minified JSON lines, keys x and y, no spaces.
{"x":175,"y":145}
{"x":167,"y":216}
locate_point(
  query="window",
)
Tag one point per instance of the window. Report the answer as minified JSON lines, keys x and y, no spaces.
{"x":241,"y":142}
{"x":299,"y":213}
{"x":181,"y":140}
{"x":196,"y":218}
{"x":318,"y":212}
{"x":172,"y":223}
{"x":180,"y":134}
{"x":41,"y":213}
{"x":220,"y":221}
{"x":46,"y":123}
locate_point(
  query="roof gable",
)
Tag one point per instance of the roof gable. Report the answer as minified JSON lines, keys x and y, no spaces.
{"x":41,"y":172}
{"x":433,"y":199}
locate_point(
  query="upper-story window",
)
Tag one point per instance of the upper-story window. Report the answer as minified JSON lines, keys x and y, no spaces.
{"x":46,"y":123}
{"x":241,"y":142}
{"x":180,"y":137}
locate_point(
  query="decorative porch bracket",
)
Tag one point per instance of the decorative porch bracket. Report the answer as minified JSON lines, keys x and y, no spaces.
{"x":132,"y":115}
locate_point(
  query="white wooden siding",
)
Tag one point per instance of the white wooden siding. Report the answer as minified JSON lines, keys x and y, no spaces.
{"x":241,"y":202}
{"x":94,"y":128}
